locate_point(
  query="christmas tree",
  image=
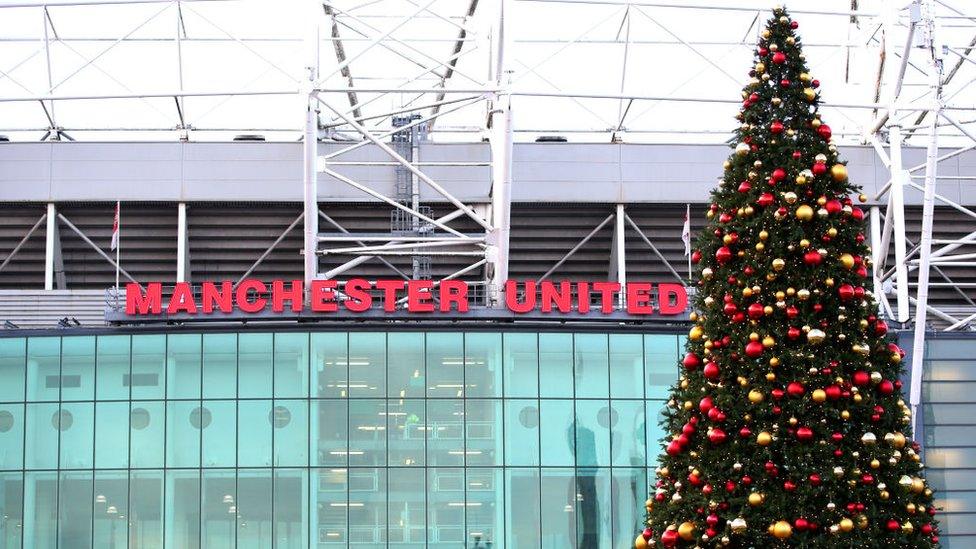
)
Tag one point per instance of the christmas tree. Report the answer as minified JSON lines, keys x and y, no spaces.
{"x":787,"y":427}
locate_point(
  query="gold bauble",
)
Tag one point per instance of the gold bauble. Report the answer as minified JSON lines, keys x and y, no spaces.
{"x":764,"y":438}
{"x":686,"y":530}
{"x":742,"y":149}
{"x":846,"y":524}
{"x":810,"y":94}
{"x":770,"y":376}
{"x":907,"y":528}
{"x":640,"y":542}
{"x":695,"y":333}
{"x":738,"y":525}
{"x":845,"y":415}
{"x":918,"y":485}
{"x":707,"y":273}
{"x":899,"y":441}
{"x":819,"y":395}
{"x":778,"y":264}
{"x":884,"y":495}
{"x":774,"y":362}
{"x":755,"y":499}
{"x":781,"y":530}
{"x":755,"y":396}
{"x":820,"y":157}
{"x":847,"y":260}
{"x":869,"y":439}
{"x":862,"y":521}
{"x":905,"y":482}
{"x":803,"y":294}
{"x":688,"y":405}
{"x":832,"y":232}
{"x":776,"y":101}
{"x":838,"y":172}
{"x":804,"y":213}
{"x":815,"y":336}
{"x":649,"y":505}
{"x":760,"y":246}
{"x":875,"y":464}
{"x":790,"y":197}
{"x":765,"y":34}
{"x":760,"y":67}
{"x":768,"y":342}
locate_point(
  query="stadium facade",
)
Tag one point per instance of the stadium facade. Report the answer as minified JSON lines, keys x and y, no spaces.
{"x":485,"y":427}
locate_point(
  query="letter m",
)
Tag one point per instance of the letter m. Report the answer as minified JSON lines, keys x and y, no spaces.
{"x":137,"y":303}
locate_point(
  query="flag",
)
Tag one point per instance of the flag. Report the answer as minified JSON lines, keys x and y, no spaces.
{"x":115,"y":227}
{"x":686,"y":231}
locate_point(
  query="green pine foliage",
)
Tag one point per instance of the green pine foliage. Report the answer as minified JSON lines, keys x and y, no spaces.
{"x":787,"y":427}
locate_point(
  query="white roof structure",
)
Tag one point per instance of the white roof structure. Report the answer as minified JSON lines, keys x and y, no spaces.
{"x":589,"y":70}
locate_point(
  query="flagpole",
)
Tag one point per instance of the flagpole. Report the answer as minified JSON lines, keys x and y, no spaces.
{"x":118,"y":249}
{"x":688,"y":217}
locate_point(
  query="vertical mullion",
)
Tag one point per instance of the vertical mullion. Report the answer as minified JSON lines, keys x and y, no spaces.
{"x":162,"y":510}
{"x":128,"y":463}
{"x":200,"y":520}
{"x":310,"y":528}
{"x":502,"y":402}
{"x":57,"y":474}
{"x":464,"y":437}
{"x":274,"y":339}
{"x":389,"y":465}
{"x":575,"y":446}
{"x":538,"y":407}
{"x":610,"y":427}
{"x":237,"y":432}
{"x":427,"y":431}
{"x":348,"y":444}
{"x":94,"y":429}
{"x":23,"y":452}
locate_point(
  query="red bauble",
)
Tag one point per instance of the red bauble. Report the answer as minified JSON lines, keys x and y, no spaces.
{"x":716,"y":436}
{"x":801,"y":524}
{"x":705,"y":404}
{"x":723,"y":255}
{"x":861,"y":378}
{"x":833,"y":392}
{"x":745,"y":432}
{"x":784,"y":83}
{"x":792,"y":311}
{"x":833,"y":206}
{"x":812,"y":257}
{"x":794,"y":25}
{"x":857,"y":214}
{"x":756,"y":311}
{"x":669,"y":538}
{"x":696,"y":256}
{"x":779,"y":58}
{"x":804,"y":434}
{"x":754,"y":349}
{"x":824,"y":131}
{"x":711,"y":370}
{"x":673,"y":448}
{"x":819,"y":168}
{"x":765,"y":199}
{"x":789,"y":486}
{"x":793,"y":332}
{"x":797,"y":155}
{"x":886,"y":387}
{"x":745,"y":187}
{"x":845,"y":292}
{"x":725,"y":217}
{"x":815,"y":479}
{"x":795,"y":389}
{"x":691,"y":361}
{"x":880,"y":328}
{"x":776,"y":127}
{"x":779,"y":174}
{"x":894,"y":525}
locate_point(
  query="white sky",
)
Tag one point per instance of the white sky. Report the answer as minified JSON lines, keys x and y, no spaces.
{"x":256,"y":45}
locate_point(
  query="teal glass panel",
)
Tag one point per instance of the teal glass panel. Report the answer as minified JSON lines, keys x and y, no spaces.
{"x":592,"y":511}
{"x":219,"y":365}
{"x":483,"y":441}
{"x":147,"y":434}
{"x":328,"y":507}
{"x":41,"y":421}
{"x":220,"y":438}
{"x":593,"y":420}
{"x":218,"y":513}
{"x":523,"y":508}
{"x":626,"y":366}
{"x":557,"y":428}
{"x":289,"y":419}
{"x":255,"y":417}
{"x":76,"y":423}
{"x":111,"y":435}
{"x":254,"y":501}
{"x":43,"y":368}
{"x":654,"y":410}
{"x":290,"y":509}
{"x":628,"y":491}
{"x":482,"y":364}
{"x":445,"y":365}
{"x":112,"y":368}
{"x":556,"y":365}
{"x":12,"y":501}
{"x":41,"y":510}
{"x":445,"y":507}
{"x":522,"y":432}
{"x":484,"y":497}
{"x":330,"y":431}
{"x":407,"y":509}
{"x":146,"y":509}
{"x":367,"y":507}
{"x":330,"y":364}
{"x":254,"y":363}
{"x":406,"y":427}
{"x":367,"y":364}
{"x":111,"y":509}
{"x":78,"y":368}
{"x":75,"y":509}
{"x":290,"y":365}
{"x":445,"y":432}
{"x":183,"y":365}
{"x":13,"y":368}
{"x":148,"y":379}
{"x":627,"y":433}
{"x":407,"y":372}
{"x":591,"y":365}
{"x":367,"y":432}
{"x":182,"y":515}
{"x":11,"y":436}
{"x":661,"y":363}
{"x":521,"y":369}
{"x":183,"y":423}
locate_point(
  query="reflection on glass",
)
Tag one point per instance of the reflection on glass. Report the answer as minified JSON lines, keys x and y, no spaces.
{"x":367,"y":507}
{"x":445,"y":364}
{"x":406,"y":428}
{"x":591,"y":365}
{"x":445,"y":507}
{"x":76,"y":424}
{"x":592,"y":512}
{"x":407,"y":372}
{"x":219,"y":365}
{"x":290,"y":509}
{"x":483,"y":432}
{"x":12,"y":494}
{"x":219,"y":508}
{"x":522,"y":432}
{"x":523,"y":508}
{"x":111,"y":435}
{"x":11,"y":436}
{"x":558,"y":432}
{"x":483,"y":499}
{"x":367,"y":364}
{"x":594,"y":418}
{"x":626,"y":366}
{"x":220,"y":437}
{"x":255,"y":450}
{"x":147,"y":434}
{"x":661,"y":363}
{"x":146,"y":509}
{"x":445,"y":432}
{"x":330,"y":365}
{"x":254,"y":509}
{"x":290,"y":365}
{"x":42,"y":436}
{"x":559,"y":508}
{"x":521,"y":364}
{"x":329,"y":505}
{"x":182,"y":525}
{"x":77,"y":368}
{"x":556,"y":365}
{"x":482,"y":364}
{"x":40,"y":509}
{"x":111,"y":508}
{"x":43,"y":368}
{"x":254,"y":363}
{"x":75,"y":509}
{"x":112,"y":369}
{"x":289,"y":419}
{"x":407,"y":510}
{"x":367,"y":432}
{"x":148,"y":378}
{"x":330,"y":429}
{"x":629,"y":488}
{"x":183,"y":366}
{"x":183,"y":422}
{"x":13,"y":363}
{"x":628,"y":433}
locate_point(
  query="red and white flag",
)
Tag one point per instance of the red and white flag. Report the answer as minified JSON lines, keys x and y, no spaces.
{"x":686,"y":231}
{"x":115,"y":227}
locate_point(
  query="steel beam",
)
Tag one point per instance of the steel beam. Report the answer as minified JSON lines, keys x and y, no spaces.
{"x":95,"y":247}
{"x":182,"y":245}
{"x":310,"y":146}
{"x":22,"y":241}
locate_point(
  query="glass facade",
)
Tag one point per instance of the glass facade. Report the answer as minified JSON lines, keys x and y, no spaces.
{"x":322,"y":439}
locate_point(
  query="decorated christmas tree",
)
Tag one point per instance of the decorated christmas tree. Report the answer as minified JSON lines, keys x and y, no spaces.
{"x":787,"y":427}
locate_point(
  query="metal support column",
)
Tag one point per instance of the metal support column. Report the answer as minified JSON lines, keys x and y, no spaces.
{"x":620,"y":255}
{"x":928,"y":207}
{"x":50,"y":246}
{"x":501,"y":158}
{"x":310,"y":145}
{"x":182,"y":242}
